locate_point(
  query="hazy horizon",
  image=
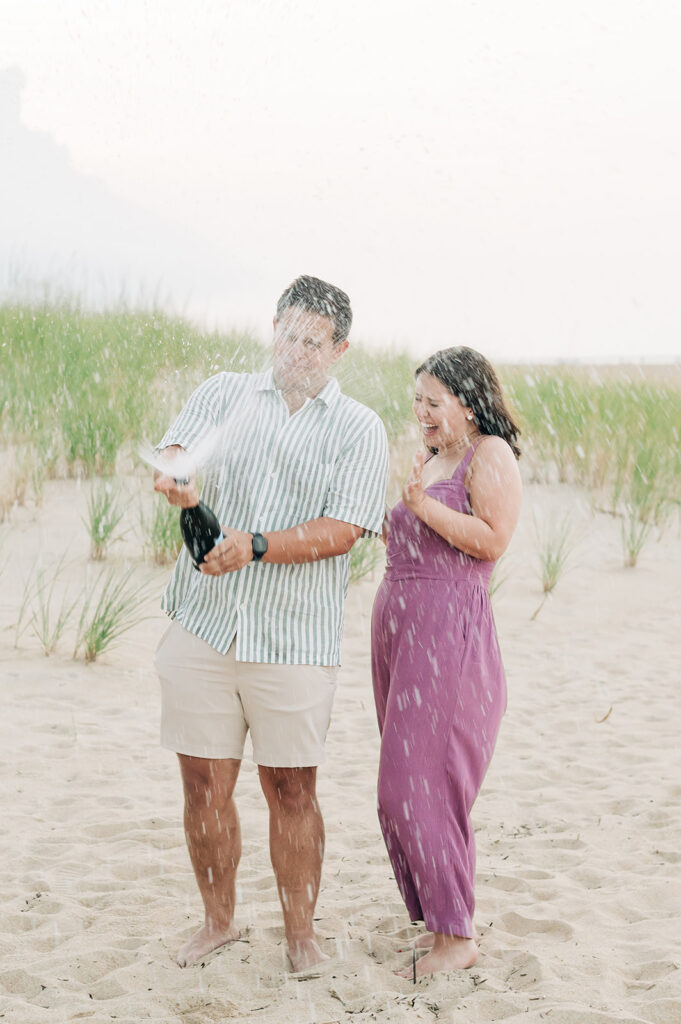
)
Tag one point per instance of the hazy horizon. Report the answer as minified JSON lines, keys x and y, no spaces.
{"x":503,"y":178}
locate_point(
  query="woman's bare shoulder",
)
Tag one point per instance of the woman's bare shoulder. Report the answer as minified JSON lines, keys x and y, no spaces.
{"x":492,"y":449}
{"x":493,"y":455}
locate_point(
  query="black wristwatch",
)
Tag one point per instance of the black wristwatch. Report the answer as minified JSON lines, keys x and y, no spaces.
{"x":259,"y":545}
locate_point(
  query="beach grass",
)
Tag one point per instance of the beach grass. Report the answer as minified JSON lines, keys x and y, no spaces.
{"x":105,"y":513}
{"x":111,"y":605}
{"x":80,"y":385}
{"x":161,"y":531}
{"x":500,"y":575}
{"x":366,"y":555}
{"x":601,"y":427}
{"x":51,"y":611}
{"x":554,"y":544}
{"x":78,"y":389}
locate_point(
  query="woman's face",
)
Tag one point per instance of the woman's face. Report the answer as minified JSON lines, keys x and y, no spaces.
{"x":440,"y":413}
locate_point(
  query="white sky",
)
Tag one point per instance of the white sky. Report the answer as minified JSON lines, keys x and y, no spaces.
{"x":501,"y":174}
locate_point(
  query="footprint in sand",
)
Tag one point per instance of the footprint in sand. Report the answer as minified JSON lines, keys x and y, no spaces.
{"x":21,"y":983}
{"x":108,"y":988}
{"x":516,"y":924}
{"x":507,"y":883}
{"x":97,"y":968}
{"x":653,"y":970}
{"x":663,"y":1011}
{"x":535,"y":874}
{"x":562,"y":843}
{"x":525,"y":973}
{"x":670,"y":856}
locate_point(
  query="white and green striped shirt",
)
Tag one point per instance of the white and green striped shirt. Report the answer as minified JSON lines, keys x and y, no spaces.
{"x":275,"y":471}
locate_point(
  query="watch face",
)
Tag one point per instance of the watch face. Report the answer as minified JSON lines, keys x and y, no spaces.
{"x":259,"y":545}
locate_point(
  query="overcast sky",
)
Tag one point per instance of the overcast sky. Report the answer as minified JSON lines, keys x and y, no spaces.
{"x":499,"y":174}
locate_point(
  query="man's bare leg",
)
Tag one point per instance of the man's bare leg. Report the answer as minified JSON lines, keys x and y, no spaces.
{"x":211,"y":826}
{"x":297,"y":851}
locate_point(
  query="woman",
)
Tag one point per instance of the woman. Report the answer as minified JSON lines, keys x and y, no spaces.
{"x":438,"y":678}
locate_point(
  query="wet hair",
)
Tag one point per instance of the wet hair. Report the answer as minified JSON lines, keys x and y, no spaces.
{"x":469,"y":376}
{"x":315,"y":296}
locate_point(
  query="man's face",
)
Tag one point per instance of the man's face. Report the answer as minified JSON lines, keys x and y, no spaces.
{"x":304,"y":351}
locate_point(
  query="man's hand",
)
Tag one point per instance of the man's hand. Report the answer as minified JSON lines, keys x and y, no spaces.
{"x":182,"y":495}
{"x":232,"y":553}
{"x":413,"y":494}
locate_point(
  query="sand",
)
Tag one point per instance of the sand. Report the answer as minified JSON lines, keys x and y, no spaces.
{"x":578,"y":824}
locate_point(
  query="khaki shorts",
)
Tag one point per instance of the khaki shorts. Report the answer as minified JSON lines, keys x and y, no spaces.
{"x":211,"y":700}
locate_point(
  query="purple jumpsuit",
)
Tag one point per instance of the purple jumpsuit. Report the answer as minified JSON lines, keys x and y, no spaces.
{"x":440,"y":694}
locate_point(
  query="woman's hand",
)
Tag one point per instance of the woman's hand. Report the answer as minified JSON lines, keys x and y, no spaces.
{"x":495,"y":494}
{"x":413,"y":494}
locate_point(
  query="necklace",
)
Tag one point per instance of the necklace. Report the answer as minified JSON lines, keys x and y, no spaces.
{"x":461,"y":443}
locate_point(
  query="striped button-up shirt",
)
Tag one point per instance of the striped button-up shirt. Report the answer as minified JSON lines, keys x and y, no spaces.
{"x":274,"y":471}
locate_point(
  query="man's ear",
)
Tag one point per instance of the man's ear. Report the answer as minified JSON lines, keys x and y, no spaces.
{"x":339,"y":348}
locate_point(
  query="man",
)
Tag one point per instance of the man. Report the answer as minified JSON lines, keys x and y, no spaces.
{"x":255,"y":638}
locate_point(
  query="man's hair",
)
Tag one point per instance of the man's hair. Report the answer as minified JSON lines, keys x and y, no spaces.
{"x":315,"y":296}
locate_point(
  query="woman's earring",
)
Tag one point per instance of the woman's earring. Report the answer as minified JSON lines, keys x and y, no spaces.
{"x":470,"y":416}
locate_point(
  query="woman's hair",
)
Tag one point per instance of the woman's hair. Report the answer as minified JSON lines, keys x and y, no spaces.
{"x":469,"y":376}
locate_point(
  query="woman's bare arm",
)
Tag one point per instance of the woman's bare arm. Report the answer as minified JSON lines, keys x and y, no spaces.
{"x":495,"y":492}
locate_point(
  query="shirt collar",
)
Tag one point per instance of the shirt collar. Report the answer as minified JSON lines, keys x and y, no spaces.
{"x":327,"y":395}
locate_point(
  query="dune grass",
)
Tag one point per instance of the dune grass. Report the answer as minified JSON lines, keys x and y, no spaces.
{"x":161,"y":531}
{"x":79,"y":385}
{"x":75,"y":386}
{"x":593,"y":427}
{"x":366,"y":555}
{"x":554,"y":544}
{"x":105,"y":513}
{"x":50,"y":614}
{"x":613,"y":431}
{"x":500,"y":575}
{"x":46,"y":607}
{"x":80,"y":389}
{"x":110,"y":607}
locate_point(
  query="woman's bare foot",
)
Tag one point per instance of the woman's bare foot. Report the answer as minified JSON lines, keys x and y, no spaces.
{"x":449,"y":953}
{"x":204,"y":941}
{"x":305,"y":954}
{"x":426,"y":941}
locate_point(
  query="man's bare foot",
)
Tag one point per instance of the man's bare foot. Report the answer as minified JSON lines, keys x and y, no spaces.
{"x":204,"y":941}
{"x":305,"y":954}
{"x":449,"y":953}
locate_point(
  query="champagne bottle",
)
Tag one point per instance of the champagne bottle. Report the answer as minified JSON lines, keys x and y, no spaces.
{"x":200,"y":530}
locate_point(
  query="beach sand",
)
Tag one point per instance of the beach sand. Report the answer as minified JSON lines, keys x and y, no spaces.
{"x":578,"y":824}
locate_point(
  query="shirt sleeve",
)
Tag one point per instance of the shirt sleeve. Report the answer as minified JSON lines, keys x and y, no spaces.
{"x":357,"y":490}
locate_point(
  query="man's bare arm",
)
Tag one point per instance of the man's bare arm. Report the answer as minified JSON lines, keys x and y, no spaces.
{"x":308,"y":542}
